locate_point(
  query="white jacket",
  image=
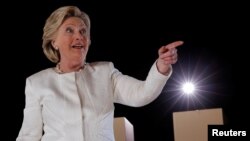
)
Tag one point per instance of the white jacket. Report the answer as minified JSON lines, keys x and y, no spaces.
{"x":79,"y":106}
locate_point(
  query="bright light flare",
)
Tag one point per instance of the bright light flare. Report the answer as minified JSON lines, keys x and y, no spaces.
{"x":188,"y":88}
{"x":193,"y":83}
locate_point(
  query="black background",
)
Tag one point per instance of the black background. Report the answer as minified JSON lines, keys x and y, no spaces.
{"x":129,"y":34}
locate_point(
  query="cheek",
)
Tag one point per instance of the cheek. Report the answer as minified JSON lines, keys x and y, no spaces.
{"x":64,"y":42}
{"x":85,"y":50}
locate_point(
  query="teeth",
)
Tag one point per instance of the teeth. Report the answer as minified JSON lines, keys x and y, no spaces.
{"x":77,"y":46}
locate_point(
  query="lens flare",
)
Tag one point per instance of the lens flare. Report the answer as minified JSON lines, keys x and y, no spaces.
{"x":188,"y":88}
{"x":192,"y":85}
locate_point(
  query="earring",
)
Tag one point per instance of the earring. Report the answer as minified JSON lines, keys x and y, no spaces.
{"x":56,"y":48}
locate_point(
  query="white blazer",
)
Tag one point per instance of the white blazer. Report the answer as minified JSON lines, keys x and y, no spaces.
{"x":79,"y":106}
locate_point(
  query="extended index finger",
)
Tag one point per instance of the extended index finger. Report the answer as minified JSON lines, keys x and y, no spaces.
{"x":174,"y":44}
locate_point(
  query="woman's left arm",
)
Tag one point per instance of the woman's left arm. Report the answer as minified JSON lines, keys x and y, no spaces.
{"x":136,"y":93}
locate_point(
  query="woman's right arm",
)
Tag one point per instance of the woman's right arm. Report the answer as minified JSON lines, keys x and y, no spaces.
{"x":32,"y":125}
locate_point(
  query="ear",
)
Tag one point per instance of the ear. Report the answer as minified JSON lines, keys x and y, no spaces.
{"x":53,"y":44}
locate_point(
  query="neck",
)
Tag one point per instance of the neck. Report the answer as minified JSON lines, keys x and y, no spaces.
{"x":60,"y":68}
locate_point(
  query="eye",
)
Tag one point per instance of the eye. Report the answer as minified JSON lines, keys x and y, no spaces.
{"x":69,"y":30}
{"x":83,"y":32}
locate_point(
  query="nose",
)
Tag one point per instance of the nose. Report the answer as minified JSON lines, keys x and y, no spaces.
{"x":79,"y":36}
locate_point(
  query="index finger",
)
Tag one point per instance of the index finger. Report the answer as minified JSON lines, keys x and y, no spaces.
{"x":174,"y":44}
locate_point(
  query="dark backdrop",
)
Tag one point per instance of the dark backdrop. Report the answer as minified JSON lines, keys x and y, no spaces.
{"x":129,"y":34}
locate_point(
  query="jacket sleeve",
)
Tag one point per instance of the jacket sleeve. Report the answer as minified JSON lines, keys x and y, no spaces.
{"x":31,"y":129}
{"x":133,"y":92}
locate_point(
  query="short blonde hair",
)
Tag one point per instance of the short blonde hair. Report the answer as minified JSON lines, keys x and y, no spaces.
{"x":52,"y":24}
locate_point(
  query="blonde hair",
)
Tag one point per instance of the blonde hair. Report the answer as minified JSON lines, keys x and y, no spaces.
{"x":52,"y":24}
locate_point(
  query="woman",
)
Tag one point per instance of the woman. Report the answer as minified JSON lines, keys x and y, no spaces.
{"x":75,"y":100}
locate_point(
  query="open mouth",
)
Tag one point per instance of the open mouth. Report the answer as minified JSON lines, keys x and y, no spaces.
{"x":77,"y":46}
